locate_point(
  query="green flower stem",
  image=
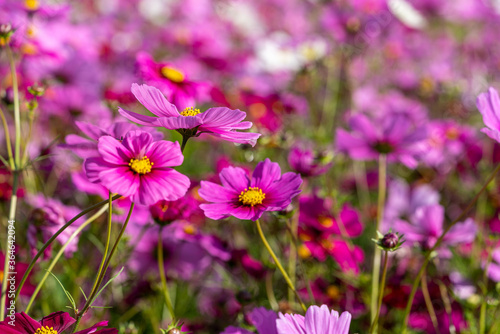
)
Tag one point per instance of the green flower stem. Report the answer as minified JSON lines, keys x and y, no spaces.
{"x":185,"y":139}
{"x":382,"y":179}
{"x":91,"y":298}
{"x":163,"y":278}
{"x":47,"y":244}
{"x":17,"y":113}
{"x":59,"y":254}
{"x":292,"y":257}
{"x":437,"y":244}
{"x":482,"y":314}
{"x":428,"y":302}
{"x":278,"y":264}
{"x":7,"y":140}
{"x":12,"y":216}
{"x":106,"y":247}
{"x":381,"y":294}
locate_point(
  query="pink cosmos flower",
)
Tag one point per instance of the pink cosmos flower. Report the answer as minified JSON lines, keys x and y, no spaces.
{"x":171,"y":80}
{"x":56,"y":322}
{"x":87,"y":147}
{"x":489,"y":106}
{"x":427,"y":225}
{"x":220,"y":122}
{"x":247,"y":198}
{"x":264,"y":321}
{"x":393,"y":135}
{"x":139,"y":167}
{"x":318,"y":320}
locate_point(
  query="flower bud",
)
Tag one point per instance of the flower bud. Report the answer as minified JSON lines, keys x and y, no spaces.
{"x":390,"y":240}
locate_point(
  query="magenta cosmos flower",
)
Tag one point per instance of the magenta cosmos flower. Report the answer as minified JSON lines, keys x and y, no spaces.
{"x":247,"y":198}
{"x":55,"y":323}
{"x":318,"y":320}
{"x":489,"y":106}
{"x":139,"y":167}
{"x":219,"y":122}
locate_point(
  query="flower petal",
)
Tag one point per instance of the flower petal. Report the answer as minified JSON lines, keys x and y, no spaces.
{"x":159,"y":185}
{"x":265,"y":173}
{"x":120,"y":180}
{"x":152,"y":98}
{"x":235,"y":178}
{"x":165,"y":154}
{"x":113,"y":152}
{"x":139,"y":118}
{"x":215,"y":193}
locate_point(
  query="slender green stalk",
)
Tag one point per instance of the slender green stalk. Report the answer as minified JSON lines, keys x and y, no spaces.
{"x":292,"y":257}
{"x":428,"y":303}
{"x":163,"y":278}
{"x":88,"y":304}
{"x":106,"y":246}
{"x":373,"y":327}
{"x":278,"y":264}
{"x":437,"y":244}
{"x":59,"y":254}
{"x":270,"y":292}
{"x":12,"y":216}
{"x":52,"y":238}
{"x":7,"y":140}
{"x":17,"y":113}
{"x":301,"y":265}
{"x":184,"y":142}
{"x":482,"y":314}
{"x":382,"y":179}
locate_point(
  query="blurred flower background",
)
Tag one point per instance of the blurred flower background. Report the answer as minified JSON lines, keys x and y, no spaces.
{"x":174,"y":106}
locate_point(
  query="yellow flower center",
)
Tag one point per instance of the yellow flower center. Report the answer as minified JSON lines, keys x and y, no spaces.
{"x":46,"y":330}
{"x":172,"y":74}
{"x":325,"y":221}
{"x":303,"y":252}
{"x":31,"y":4}
{"x":141,"y":166}
{"x":190,"y":111}
{"x":190,"y":229}
{"x":333,"y":292}
{"x":252,"y":196}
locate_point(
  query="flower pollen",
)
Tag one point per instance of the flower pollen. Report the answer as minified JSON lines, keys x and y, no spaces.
{"x":172,"y":74}
{"x":46,"y":330}
{"x":141,"y":166}
{"x":190,"y":111}
{"x":251,"y":196}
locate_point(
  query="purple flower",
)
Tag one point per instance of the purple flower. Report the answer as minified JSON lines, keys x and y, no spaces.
{"x":393,"y":135}
{"x":171,"y":80}
{"x":48,"y":216}
{"x":305,"y":161}
{"x":86,"y":148}
{"x":489,"y":106}
{"x":263,"y":319}
{"x":56,"y":322}
{"x":247,"y":198}
{"x":318,"y":320}
{"x":402,"y":202}
{"x":138,"y":167}
{"x":427,"y":225}
{"x":220,"y":122}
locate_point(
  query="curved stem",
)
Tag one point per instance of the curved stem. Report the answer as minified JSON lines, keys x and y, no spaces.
{"x":17,"y":113}
{"x":428,"y":303}
{"x":163,"y":278}
{"x":106,"y":247}
{"x":437,"y":244}
{"x":59,"y":254}
{"x":47,"y":244}
{"x":292,"y":257}
{"x":12,"y":216}
{"x":7,"y":140}
{"x":184,"y":142}
{"x":382,"y":176}
{"x":278,"y":264}
{"x":482,"y":314}
{"x":106,"y":266}
{"x":381,"y":294}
